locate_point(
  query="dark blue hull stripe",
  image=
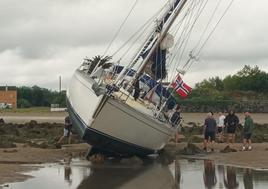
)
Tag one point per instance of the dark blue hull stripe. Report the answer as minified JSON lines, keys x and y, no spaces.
{"x":104,"y":141}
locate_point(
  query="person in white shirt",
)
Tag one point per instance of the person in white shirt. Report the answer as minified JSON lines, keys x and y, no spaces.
{"x":221,"y":126}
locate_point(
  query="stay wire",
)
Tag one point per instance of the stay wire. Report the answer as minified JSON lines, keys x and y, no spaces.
{"x":188,"y":34}
{"x":142,"y":28}
{"x":181,"y":40}
{"x":184,"y":30}
{"x":200,"y":10}
{"x":209,"y":22}
{"x":198,"y":54}
{"x":213,"y":30}
{"x":120,"y":28}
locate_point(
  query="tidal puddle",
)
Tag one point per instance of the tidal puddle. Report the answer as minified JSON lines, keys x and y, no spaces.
{"x":188,"y":174}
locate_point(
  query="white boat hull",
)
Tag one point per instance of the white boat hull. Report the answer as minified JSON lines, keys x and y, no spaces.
{"x":111,"y":125}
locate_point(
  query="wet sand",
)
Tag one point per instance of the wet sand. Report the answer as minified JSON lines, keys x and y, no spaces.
{"x":16,"y":161}
{"x":255,"y":159}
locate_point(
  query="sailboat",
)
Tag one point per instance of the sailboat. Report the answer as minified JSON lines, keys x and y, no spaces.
{"x":106,"y":115}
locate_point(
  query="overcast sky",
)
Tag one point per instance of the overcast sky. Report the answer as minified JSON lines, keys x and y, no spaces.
{"x":41,"y":40}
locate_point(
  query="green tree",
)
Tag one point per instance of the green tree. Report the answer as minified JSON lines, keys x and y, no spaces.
{"x":37,"y":96}
{"x":23,"y":103}
{"x":247,"y":79}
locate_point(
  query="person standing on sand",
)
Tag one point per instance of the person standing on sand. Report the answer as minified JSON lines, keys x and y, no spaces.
{"x":67,"y":130}
{"x":221,"y":126}
{"x":209,"y":131}
{"x":175,"y":119}
{"x":247,"y":132}
{"x":231,"y":122}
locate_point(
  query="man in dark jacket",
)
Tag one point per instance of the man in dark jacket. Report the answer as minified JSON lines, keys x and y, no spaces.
{"x":231,"y":122}
{"x":247,"y":131}
{"x":209,"y":131}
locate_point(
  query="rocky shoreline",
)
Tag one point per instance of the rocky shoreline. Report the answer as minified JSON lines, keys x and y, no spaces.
{"x":35,"y":143}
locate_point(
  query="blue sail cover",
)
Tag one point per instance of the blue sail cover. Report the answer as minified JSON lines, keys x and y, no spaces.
{"x":158,"y":58}
{"x":151,"y":83}
{"x":130,"y":72}
{"x":158,"y":67}
{"x":160,"y":90}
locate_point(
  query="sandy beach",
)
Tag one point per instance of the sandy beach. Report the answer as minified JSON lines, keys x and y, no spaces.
{"x":58,"y":117}
{"x":15,"y":162}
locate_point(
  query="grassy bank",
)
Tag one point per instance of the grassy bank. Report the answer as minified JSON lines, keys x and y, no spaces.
{"x":27,"y":110}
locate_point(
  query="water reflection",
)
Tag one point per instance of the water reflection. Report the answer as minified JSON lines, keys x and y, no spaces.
{"x":149,"y":176}
{"x":209,"y":176}
{"x":248,"y":179}
{"x":179,"y":174}
{"x":67,"y":174}
{"x":230,"y":181}
{"x":220,"y":169}
{"x":68,"y":169}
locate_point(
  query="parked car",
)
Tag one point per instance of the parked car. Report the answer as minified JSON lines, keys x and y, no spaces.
{"x":5,"y":105}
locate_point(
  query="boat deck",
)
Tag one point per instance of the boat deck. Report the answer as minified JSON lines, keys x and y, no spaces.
{"x":140,"y":105}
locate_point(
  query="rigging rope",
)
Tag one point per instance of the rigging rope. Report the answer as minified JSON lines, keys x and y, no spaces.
{"x":198,"y":54}
{"x":209,"y":22}
{"x":187,"y":33}
{"x":179,"y":41}
{"x":140,"y":30}
{"x":199,"y":12}
{"x":120,"y":28}
{"x":213,"y":30}
{"x":116,"y":34}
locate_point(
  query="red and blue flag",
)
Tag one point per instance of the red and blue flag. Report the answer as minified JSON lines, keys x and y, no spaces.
{"x":180,"y":87}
